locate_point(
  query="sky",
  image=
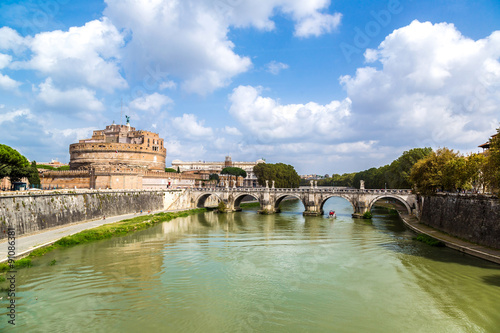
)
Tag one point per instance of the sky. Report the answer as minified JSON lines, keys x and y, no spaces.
{"x":326,"y":86}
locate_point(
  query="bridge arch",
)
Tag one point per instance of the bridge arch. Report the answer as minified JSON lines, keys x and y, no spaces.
{"x":280,"y":198}
{"x":239,"y":197}
{"x":202,"y":198}
{"x":325,"y":199}
{"x":389,"y":196}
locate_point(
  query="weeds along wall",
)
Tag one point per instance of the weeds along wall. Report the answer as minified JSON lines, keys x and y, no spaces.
{"x":35,"y":212}
{"x":472,"y":218}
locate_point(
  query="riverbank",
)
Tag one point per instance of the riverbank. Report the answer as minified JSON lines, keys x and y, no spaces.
{"x":449,"y":241}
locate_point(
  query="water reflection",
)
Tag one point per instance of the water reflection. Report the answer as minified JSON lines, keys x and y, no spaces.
{"x":266,"y":273}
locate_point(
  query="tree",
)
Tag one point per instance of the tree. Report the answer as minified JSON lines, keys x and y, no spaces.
{"x":234,"y":171}
{"x":214,"y":176}
{"x":284,"y":175}
{"x":33,"y":178}
{"x":178,"y":170}
{"x":11,"y":162}
{"x":170,"y":170}
{"x":492,"y":164}
{"x":398,"y":173}
{"x":439,"y":170}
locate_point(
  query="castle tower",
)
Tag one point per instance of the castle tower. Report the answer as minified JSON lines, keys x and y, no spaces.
{"x":228,"y":162}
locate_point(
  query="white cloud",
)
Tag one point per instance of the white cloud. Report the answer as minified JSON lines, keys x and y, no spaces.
{"x":5,"y":59}
{"x":275,"y":67}
{"x":153,"y":102}
{"x":84,"y":55}
{"x":10,"y":116}
{"x":71,"y":135}
{"x":184,"y":39}
{"x":317,"y":24}
{"x":232,"y":131}
{"x":307,"y":15}
{"x":269,"y":120}
{"x":189,"y":39}
{"x":167,"y":85}
{"x":7,"y":83}
{"x":79,"y":99}
{"x":188,"y":126}
{"x":11,"y":40}
{"x":435,"y":87}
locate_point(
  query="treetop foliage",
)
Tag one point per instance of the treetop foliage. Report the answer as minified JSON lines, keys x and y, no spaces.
{"x":446,"y":170}
{"x":234,"y":171}
{"x":284,"y":175}
{"x":395,"y":175}
{"x":13,"y":164}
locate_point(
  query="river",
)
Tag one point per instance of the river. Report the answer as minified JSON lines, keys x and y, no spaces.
{"x":260,"y":273}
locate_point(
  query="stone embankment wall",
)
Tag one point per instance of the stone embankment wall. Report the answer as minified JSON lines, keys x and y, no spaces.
{"x":472,"y":218}
{"x":36,"y":211}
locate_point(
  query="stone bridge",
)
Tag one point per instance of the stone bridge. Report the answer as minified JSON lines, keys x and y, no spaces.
{"x":313,"y":198}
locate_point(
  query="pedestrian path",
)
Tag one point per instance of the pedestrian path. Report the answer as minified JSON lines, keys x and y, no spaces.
{"x":26,"y":244}
{"x":452,"y":242}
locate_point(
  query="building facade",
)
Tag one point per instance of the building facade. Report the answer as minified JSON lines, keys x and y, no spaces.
{"x":204,"y":168}
{"x":119,"y":146}
{"x":118,"y":157}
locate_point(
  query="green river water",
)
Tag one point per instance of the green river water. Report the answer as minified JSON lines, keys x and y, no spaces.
{"x":245,"y":272}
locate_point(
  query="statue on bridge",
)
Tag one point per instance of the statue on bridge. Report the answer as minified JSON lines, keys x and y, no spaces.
{"x":273,"y":184}
{"x":267,"y":183}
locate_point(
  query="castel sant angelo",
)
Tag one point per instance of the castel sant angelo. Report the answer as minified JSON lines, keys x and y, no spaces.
{"x":118,"y":157}
{"x":118,"y":147}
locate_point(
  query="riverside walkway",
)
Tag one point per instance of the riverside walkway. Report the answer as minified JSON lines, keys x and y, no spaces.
{"x":452,"y":242}
{"x":27,"y":243}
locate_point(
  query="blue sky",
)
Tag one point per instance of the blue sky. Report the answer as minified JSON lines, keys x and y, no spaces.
{"x":327,"y":86}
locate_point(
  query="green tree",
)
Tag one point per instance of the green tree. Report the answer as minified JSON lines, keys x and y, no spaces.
{"x":12,"y":163}
{"x":170,"y":170}
{"x":492,"y":164}
{"x":234,"y":171}
{"x":214,"y":176}
{"x":397,"y":174}
{"x":439,"y":170}
{"x":284,"y":175}
{"x":33,"y":178}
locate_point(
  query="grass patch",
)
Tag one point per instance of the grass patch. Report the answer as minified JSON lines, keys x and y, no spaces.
{"x":121,"y":228}
{"x":103,"y":232}
{"x":24,"y":262}
{"x":367,"y":215}
{"x":429,"y":240}
{"x":250,"y":204}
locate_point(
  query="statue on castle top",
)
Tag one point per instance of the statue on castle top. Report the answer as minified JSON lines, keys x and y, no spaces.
{"x":128,"y":119}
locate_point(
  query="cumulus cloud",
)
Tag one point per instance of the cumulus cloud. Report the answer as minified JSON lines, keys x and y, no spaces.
{"x":11,"y":115}
{"x":11,"y":40}
{"x":188,"y":126}
{"x":269,"y":120}
{"x":189,"y":39}
{"x":434,"y":86}
{"x":275,"y":67}
{"x":7,"y":83}
{"x":79,"y":99}
{"x":153,"y":102}
{"x":5,"y":59}
{"x":317,"y":24}
{"x":184,"y":39}
{"x":85,"y":55}
{"x":232,"y":131}
{"x":309,"y":18}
